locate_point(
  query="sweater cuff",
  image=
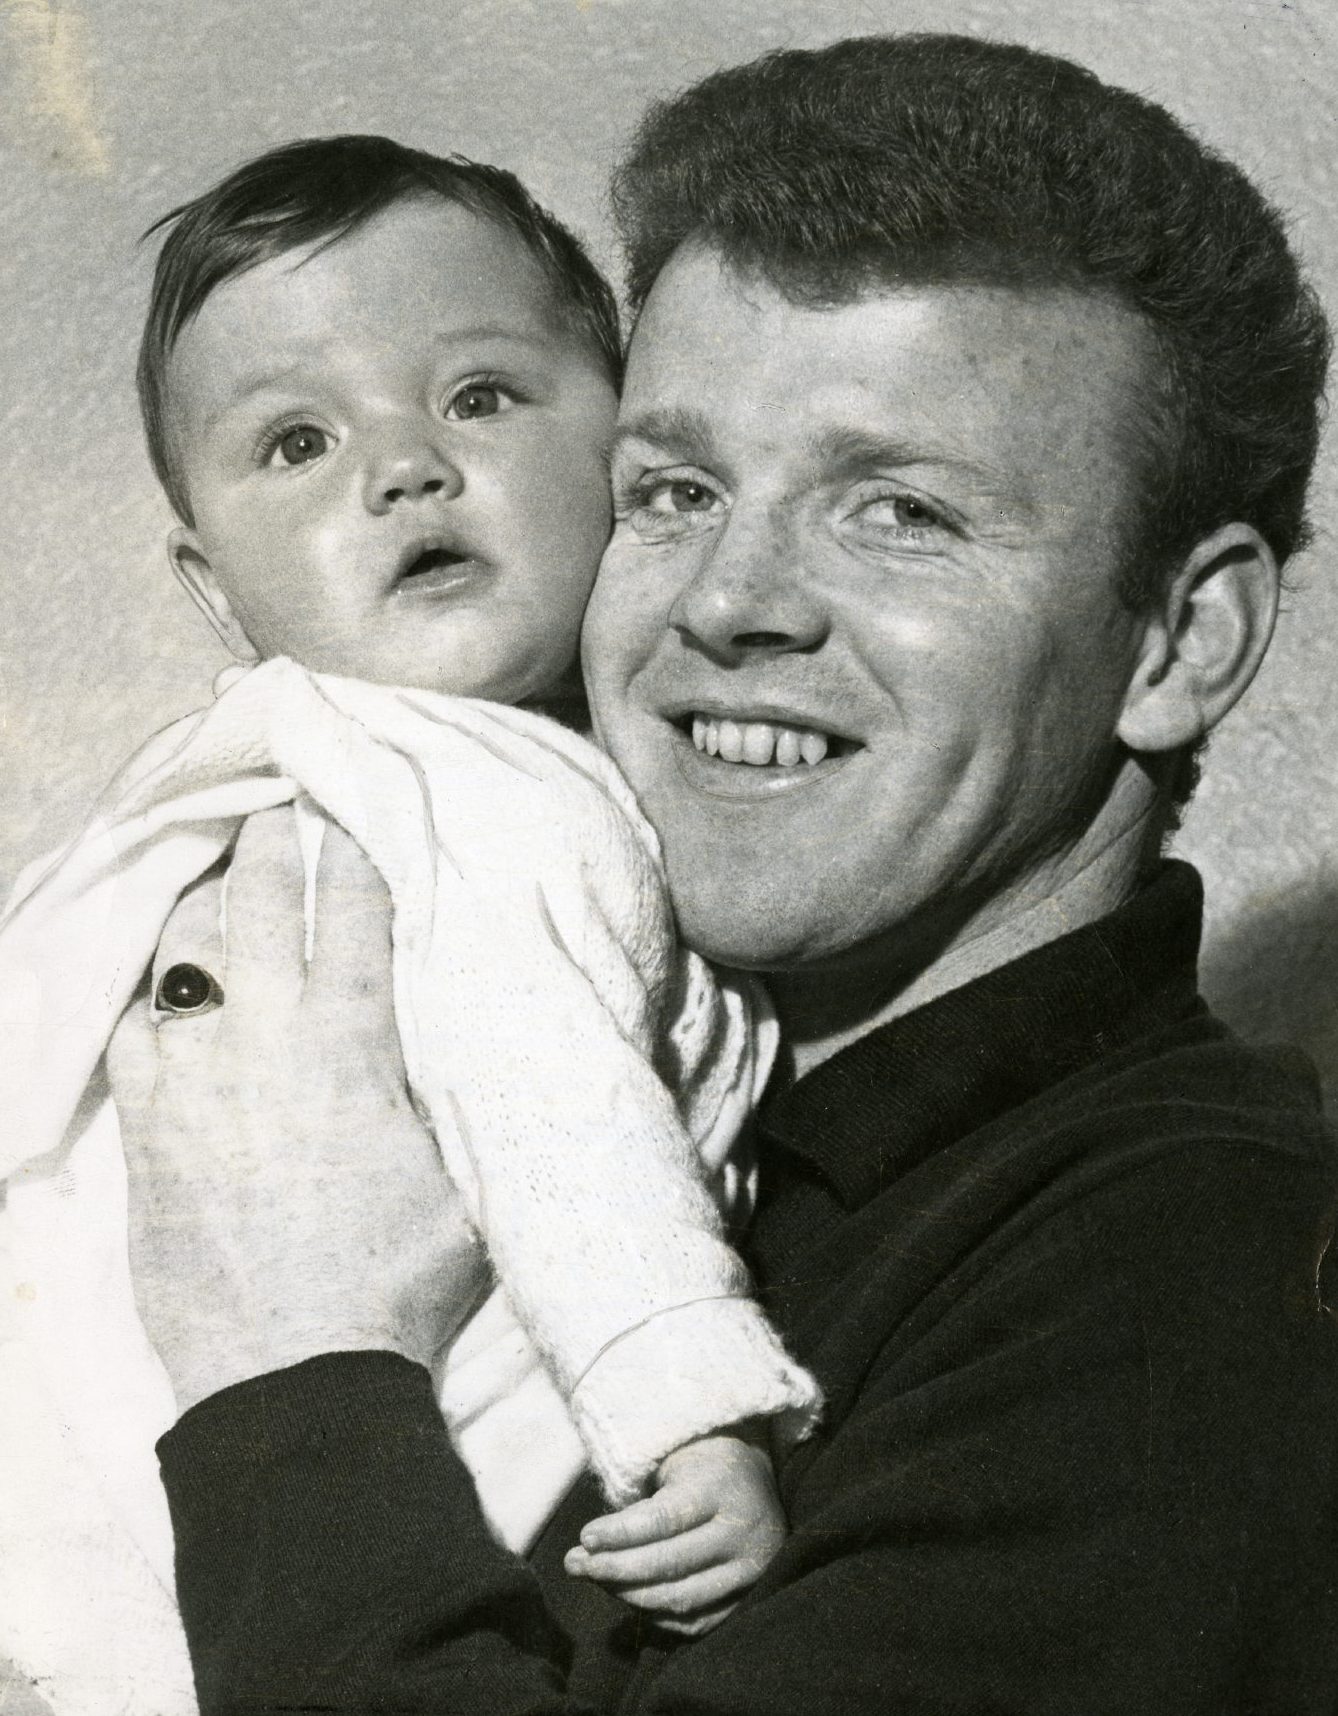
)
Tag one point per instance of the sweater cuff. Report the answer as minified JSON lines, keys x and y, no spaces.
{"x":337,"y":1398}
{"x":689,"y":1371}
{"x":331,"y":1554}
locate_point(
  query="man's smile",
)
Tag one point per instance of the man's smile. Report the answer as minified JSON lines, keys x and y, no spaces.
{"x":753,"y":750}
{"x":758,"y":743}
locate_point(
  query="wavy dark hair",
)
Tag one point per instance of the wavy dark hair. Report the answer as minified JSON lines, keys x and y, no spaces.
{"x":315,"y":192}
{"x":933,"y":159}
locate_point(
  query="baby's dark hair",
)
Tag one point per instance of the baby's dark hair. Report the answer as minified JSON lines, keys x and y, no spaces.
{"x":315,"y":192}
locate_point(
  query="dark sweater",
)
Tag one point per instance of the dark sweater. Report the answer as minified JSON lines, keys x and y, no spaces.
{"x":1052,"y":1245}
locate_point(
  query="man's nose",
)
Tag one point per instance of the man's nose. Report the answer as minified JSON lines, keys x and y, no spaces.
{"x":408,"y":467}
{"x":750,"y":593}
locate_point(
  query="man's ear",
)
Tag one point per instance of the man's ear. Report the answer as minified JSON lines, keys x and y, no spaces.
{"x":196,"y":577}
{"x":1203,"y":642}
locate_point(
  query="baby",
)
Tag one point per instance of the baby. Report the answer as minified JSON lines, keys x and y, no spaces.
{"x":378,"y":387}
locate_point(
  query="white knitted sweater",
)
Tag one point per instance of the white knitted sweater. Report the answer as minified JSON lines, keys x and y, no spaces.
{"x":565,"y":1051}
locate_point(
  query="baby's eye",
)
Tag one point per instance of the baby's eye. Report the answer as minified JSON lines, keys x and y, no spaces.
{"x":300,"y":444}
{"x":477,"y":399}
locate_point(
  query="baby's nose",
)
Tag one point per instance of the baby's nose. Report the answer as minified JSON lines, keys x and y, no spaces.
{"x":409,"y":474}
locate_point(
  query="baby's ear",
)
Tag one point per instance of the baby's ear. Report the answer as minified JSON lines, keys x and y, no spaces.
{"x":200,"y":582}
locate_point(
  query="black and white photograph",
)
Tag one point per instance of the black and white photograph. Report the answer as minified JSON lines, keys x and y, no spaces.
{"x":668,"y":858}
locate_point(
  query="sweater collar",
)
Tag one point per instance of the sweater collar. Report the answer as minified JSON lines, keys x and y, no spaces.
{"x":890,"y":1098}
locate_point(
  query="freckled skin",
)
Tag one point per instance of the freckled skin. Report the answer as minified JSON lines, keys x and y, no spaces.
{"x":978,"y":661}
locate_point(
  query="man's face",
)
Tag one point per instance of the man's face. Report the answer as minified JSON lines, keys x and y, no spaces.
{"x":394,"y":452}
{"x":856,"y":640}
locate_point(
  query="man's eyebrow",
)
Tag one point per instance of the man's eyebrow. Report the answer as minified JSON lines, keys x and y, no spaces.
{"x":856,"y":448}
{"x":687,"y":434}
{"x":678,"y":429}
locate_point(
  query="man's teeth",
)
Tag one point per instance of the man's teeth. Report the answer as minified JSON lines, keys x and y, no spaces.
{"x":758,"y":742}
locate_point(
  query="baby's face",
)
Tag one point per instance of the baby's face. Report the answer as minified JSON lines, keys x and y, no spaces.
{"x":394,"y":452}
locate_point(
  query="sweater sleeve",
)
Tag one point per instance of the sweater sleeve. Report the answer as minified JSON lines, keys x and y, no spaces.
{"x":1063,"y":1494}
{"x":329,"y":1542}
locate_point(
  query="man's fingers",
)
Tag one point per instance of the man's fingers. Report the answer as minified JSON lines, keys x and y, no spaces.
{"x":132,"y":1061}
{"x":263,"y":903}
{"x":193,"y":934}
{"x":351,"y":948}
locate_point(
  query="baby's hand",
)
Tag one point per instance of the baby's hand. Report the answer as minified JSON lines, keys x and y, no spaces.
{"x":691,"y":1550}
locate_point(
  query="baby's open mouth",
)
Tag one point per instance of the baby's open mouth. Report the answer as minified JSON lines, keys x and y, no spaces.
{"x":435,"y":563}
{"x":429,"y":561}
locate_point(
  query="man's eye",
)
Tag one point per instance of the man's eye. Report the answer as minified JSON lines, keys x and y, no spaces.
{"x":678,"y":495}
{"x":479,"y":399}
{"x":659,"y":506}
{"x":298,"y":446}
{"x":906,"y":513}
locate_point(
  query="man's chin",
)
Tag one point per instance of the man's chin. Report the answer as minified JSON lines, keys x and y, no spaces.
{"x":745,"y":927}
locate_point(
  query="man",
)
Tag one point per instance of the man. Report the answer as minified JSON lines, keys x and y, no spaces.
{"x":968,"y":418}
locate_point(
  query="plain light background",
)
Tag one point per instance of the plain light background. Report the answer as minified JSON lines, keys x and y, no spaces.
{"x":112,"y":111}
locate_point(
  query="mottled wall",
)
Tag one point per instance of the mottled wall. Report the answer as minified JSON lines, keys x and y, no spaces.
{"x":113,"y":110}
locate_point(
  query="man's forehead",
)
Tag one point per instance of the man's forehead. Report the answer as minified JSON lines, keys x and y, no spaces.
{"x":698,"y":285}
{"x":982,"y":378}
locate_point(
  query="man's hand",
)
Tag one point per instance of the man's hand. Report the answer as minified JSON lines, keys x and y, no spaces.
{"x":285,"y":1199}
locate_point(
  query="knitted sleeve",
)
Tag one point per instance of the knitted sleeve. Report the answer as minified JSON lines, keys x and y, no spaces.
{"x":541,"y":1001}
